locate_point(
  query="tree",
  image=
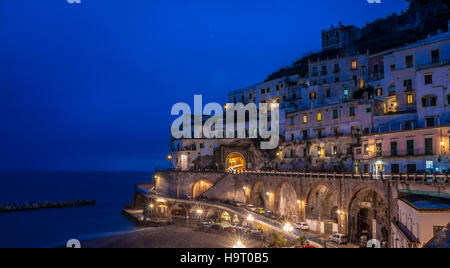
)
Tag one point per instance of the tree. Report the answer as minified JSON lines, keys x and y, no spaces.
{"x":279,"y":241}
{"x":302,"y":241}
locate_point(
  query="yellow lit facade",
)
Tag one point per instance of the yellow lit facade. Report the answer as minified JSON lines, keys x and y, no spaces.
{"x":235,"y":161}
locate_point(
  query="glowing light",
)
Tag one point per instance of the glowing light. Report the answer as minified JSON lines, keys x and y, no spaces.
{"x":442,"y":143}
{"x":250,"y":218}
{"x":199,"y":211}
{"x":151,"y":206}
{"x":169,"y":157}
{"x":339,"y":212}
{"x":239,"y":245}
{"x":298,"y":202}
{"x":288,"y":228}
{"x":160,"y":200}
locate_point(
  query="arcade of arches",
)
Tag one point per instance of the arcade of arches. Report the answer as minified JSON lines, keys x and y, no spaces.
{"x":200,"y":187}
{"x":235,"y":161}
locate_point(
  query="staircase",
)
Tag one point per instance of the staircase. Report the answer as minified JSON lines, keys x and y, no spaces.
{"x":222,"y":178}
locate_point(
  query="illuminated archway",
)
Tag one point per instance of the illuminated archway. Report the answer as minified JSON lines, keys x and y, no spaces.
{"x":235,"y":161}
{"x":200,"y":187}
{"x":225,"y":218}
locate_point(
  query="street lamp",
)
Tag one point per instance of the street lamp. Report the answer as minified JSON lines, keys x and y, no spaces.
{"x":239,"y":245}
{"x":288,"y":228}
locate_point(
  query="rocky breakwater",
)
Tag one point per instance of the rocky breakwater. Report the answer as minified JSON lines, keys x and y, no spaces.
{"x":44,"y":205}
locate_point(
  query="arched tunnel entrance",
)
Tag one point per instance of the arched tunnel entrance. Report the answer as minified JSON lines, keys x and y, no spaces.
{"x":321,"y":204}
{"x":200,"y":187}
{"x":368,"y":217}
{"x":235,"y":162}
{"x":287,"y":201}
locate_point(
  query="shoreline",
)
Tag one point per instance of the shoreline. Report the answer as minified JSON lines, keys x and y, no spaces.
{"x":172,"y":236}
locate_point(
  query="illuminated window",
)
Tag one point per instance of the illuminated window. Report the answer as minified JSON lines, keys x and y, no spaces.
{"x":319,"y":116}
{"x":366,"y":148}
{"x":354,"y":65}
{"x":429,"y":164}
{"x":346,"y":92}
{"x":410,"y":99}
{"x":305,"y":119}
{"x":362,"y":83}
{"x":379,"y":92}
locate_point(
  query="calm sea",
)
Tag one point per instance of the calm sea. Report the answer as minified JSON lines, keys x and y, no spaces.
{"x":53,"y":227}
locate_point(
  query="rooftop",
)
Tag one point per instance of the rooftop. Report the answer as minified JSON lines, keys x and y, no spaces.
{"x":423,"y":202}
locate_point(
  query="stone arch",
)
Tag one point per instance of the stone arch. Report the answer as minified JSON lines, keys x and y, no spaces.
{"x":200,"y":187}
{"x":235,"y":161}
{"x":321,"y":203}
{"x":212,"y":214}
{"x":314,"y":150}
{"x":300,"y":151}
{"x":368,"y":215}
{"x":329,"y":148}
{"x":345,"y":148}
{"x":258,"y":195}
{"x":178,"y":210}
{"x":241,"y":194}
{"x":226,"y":217}
{"x":286,"y":200}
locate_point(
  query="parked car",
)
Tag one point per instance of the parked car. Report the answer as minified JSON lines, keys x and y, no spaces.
{"x":340,"y":239}
{"x":207,"y":223}
{"x":260,"y":211}
{"x":251,"y":207}
{"x":237,"y":203}
{"x":268,"y":214}
{"x":303,"y":226}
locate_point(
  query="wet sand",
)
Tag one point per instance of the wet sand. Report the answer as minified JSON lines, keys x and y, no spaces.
{"x":173,"y":236}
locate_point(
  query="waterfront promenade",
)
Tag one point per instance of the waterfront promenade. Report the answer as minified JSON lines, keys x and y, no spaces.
{"x":257,"y":219}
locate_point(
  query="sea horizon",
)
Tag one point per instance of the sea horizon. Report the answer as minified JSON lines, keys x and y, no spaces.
{"x":45,"y":228}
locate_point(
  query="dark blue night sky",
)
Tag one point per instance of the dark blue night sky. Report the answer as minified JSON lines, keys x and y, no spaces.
{"x":90,"y":86}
